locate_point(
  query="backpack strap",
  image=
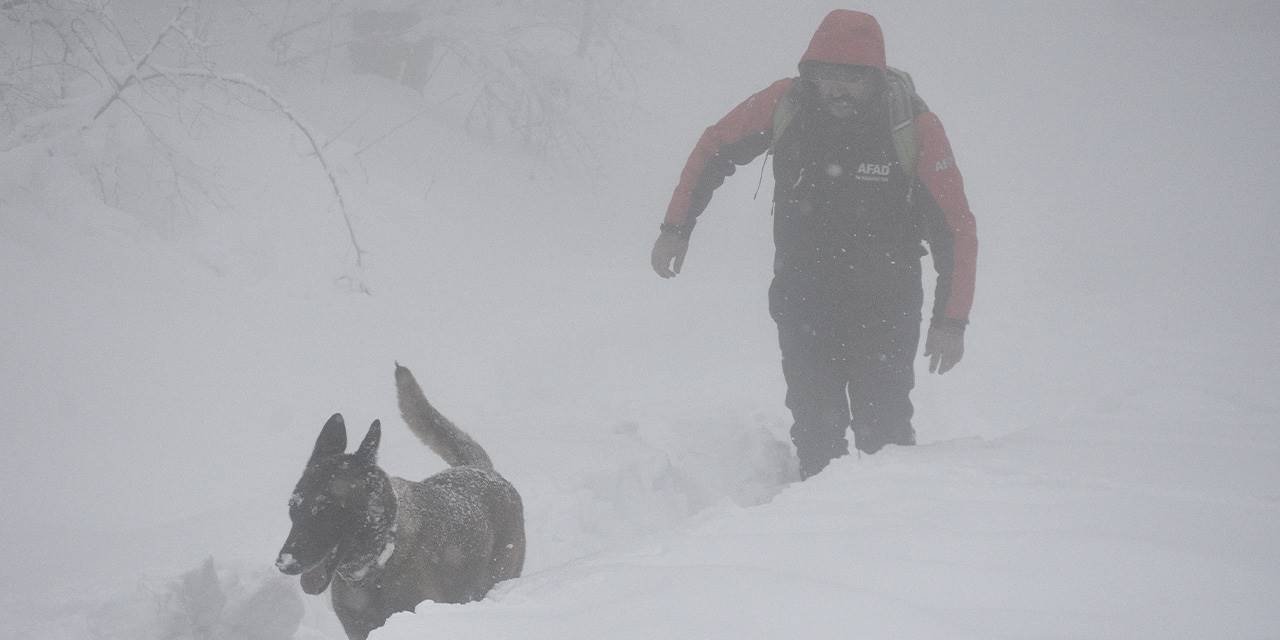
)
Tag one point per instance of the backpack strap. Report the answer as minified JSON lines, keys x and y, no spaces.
{"x":904,"y":106}
{"x":783,"y":114}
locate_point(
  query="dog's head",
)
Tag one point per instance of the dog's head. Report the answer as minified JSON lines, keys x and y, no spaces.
{"x":342,"y":503}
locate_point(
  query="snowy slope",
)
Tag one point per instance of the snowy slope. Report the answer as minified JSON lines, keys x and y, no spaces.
{"x":1101,"y":465}
{"x":1100,"y":535}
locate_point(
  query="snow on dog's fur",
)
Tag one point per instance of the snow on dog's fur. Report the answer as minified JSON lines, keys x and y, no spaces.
{"x":385,"y":543}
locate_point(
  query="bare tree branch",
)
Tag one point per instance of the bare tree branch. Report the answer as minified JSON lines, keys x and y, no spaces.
{"x":307,"y":132}
{"x":392,"y":130}
{"x":121,"y":85}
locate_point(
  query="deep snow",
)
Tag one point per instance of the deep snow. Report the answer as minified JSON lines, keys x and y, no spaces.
{"x":1101,"y":465}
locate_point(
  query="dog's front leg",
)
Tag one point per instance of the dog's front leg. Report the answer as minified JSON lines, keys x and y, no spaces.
{"x":358,"y":610}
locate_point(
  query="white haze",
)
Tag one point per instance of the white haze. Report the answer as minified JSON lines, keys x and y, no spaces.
{"x":1101,"y":464}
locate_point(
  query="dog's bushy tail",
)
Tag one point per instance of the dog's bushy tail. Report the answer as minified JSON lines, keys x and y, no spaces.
{"x":433,"y":429}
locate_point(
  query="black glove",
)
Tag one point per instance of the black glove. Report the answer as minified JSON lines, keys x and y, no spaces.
{"x":944,"y":346}
{"x":668,"y":250}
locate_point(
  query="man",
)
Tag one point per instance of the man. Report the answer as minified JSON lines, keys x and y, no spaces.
{"x":862,"y":177}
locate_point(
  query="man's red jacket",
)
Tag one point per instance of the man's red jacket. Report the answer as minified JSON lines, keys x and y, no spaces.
{"x":853,"y":38}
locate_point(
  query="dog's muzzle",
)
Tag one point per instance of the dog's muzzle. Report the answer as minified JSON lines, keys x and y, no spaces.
{"x":288,"y":565}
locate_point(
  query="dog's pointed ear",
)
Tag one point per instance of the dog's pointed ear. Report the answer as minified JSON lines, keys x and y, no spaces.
{"x":332,"y":440}
{"x":368,"y":451}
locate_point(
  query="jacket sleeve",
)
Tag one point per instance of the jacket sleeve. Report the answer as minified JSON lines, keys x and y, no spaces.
{"x":950,"y":226}
{"x":737,"y":139}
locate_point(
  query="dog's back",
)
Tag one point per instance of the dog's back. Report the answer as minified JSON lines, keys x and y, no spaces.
{"x":466,"y":521}
{"x":458,"y":533}
{"x":472,"y":537}
{"x":487,"y":508}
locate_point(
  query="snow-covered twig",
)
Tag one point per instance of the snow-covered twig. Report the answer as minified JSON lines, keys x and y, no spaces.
{"x":284,"y":109}
{"x":121,"y":85}
{"x":139,"y":74}
{"x":391,"y":131}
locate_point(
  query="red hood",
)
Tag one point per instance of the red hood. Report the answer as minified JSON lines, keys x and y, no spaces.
{"x":847,"y":37}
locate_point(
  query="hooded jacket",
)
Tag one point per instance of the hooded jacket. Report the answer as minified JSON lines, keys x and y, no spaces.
{"x":848,"y":38}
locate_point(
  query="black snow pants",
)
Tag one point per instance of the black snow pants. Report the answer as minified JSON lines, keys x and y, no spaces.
{"x":848,"y":339}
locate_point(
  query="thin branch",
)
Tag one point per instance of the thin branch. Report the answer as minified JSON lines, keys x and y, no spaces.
{"x":92,"y":50}
{"x":114,"y":29}
{"x":325,"y":50}
{"x":169,"y":150}
{"x":343,"y":131}
{"x":140,"y":63}
{"x":390,"y":131}
{"x":278,"y":38}
{"x":63,"y":65}
{"x":297,"y":122}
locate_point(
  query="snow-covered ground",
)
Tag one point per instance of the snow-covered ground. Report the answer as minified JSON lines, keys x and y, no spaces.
{"x":1103,"y":464}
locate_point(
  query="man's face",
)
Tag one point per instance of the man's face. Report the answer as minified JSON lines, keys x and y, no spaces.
{"x":842,"y":90}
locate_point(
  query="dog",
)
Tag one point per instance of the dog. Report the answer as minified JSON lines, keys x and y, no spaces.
{"x":385,"y":543}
